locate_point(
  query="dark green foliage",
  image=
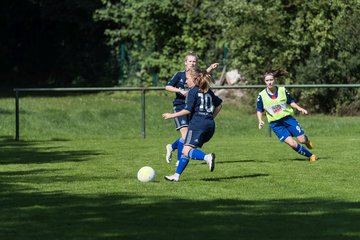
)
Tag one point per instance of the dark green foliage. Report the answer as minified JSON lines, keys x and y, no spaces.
{"x":143,"y":43}
{"x":315,"y":41}
{"x":157,"y":35}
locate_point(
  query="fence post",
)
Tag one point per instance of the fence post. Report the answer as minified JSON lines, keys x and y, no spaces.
{"x":122,"y":64}
{"x":143,"y":113}
{"x":269,"y":131}
{"x":17,"y":117}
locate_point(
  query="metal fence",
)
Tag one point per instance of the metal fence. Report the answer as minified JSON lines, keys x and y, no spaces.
{"x":143,"y":91}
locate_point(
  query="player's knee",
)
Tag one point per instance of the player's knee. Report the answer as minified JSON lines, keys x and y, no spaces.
{"x":186,"y":151}
{"x":302,"y":139}
{"x":291,"y":142}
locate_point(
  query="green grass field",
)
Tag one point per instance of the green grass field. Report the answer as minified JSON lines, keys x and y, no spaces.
{"x":73,"y":175}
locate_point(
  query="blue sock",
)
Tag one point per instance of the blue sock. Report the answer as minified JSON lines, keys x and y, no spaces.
{"x":174,"y":145}
{"x":183,"y":162}
{"x":302,"y":150}
{"x":180,"y":147}
{"x":196,"y":154}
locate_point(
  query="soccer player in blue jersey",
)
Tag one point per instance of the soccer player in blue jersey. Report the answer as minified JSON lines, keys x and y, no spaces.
{"x":177,"y":84}
{"x":278,"y":106}
{"x":202,"y":106}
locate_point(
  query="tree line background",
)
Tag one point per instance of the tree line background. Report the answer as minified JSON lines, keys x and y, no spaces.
{"x":87,"y":43}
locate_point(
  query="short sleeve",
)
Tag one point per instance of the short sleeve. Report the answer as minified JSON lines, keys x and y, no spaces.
{"x":289,"y":99}
{"x":259,"y":104}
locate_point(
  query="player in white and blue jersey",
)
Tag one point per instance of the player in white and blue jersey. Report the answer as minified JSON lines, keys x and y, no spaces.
{"x":202,"y":106}
{"x":278,"y":105}
{"x":177,"y":84}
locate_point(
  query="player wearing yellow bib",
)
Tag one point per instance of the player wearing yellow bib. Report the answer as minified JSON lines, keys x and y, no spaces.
{"x":278,"y":106}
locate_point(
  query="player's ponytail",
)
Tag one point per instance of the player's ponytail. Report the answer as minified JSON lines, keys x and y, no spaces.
{"x":201,"y":78}
{"x":276,"y":73}
{"x":203,"y":81}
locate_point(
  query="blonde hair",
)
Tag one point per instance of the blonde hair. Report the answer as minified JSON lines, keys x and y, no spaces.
{"x":201,"y":78}
{"x":192,"y":54}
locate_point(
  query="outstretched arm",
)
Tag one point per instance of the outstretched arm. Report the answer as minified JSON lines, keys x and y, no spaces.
{"x":175,"y":90}
{"x":174,"y":115}
{"x":294,"y":105}
{"x":212,"y":67}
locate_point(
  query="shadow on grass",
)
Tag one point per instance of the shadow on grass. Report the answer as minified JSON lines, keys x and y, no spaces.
{"x":238,"y":161}
{"x":30,"y":214}
{"x":303,"y":159}
{"x":218,"y":179}
{"x":25,"y":152}
{"x":231,"y":162}
{"x":27,"y":215}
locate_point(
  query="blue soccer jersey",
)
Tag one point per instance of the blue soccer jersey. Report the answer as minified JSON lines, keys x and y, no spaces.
{"x":201,"y":107}
{"x":178,"y":81}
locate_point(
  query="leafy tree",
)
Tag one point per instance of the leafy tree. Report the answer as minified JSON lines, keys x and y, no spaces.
{"x":157,"y":34}
{"x":324,"y":57}
{"x":301,"y":36}
{"x":63,"y":43}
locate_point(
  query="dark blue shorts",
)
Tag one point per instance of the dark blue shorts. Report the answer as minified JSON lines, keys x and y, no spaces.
{"x":196,"y":137}
{"x":182,"y":121}
{"x":285,"y":127}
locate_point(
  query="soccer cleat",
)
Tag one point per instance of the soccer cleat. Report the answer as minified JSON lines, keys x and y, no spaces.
{"x":173,"y":178}
{"x":168,"y":153}
{"x":309,"y":144}
{"x":313,"y":158}
{"x":210,"y":160}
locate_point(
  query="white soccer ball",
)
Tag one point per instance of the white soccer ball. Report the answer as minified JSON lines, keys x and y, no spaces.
{"x":146,"y":174}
